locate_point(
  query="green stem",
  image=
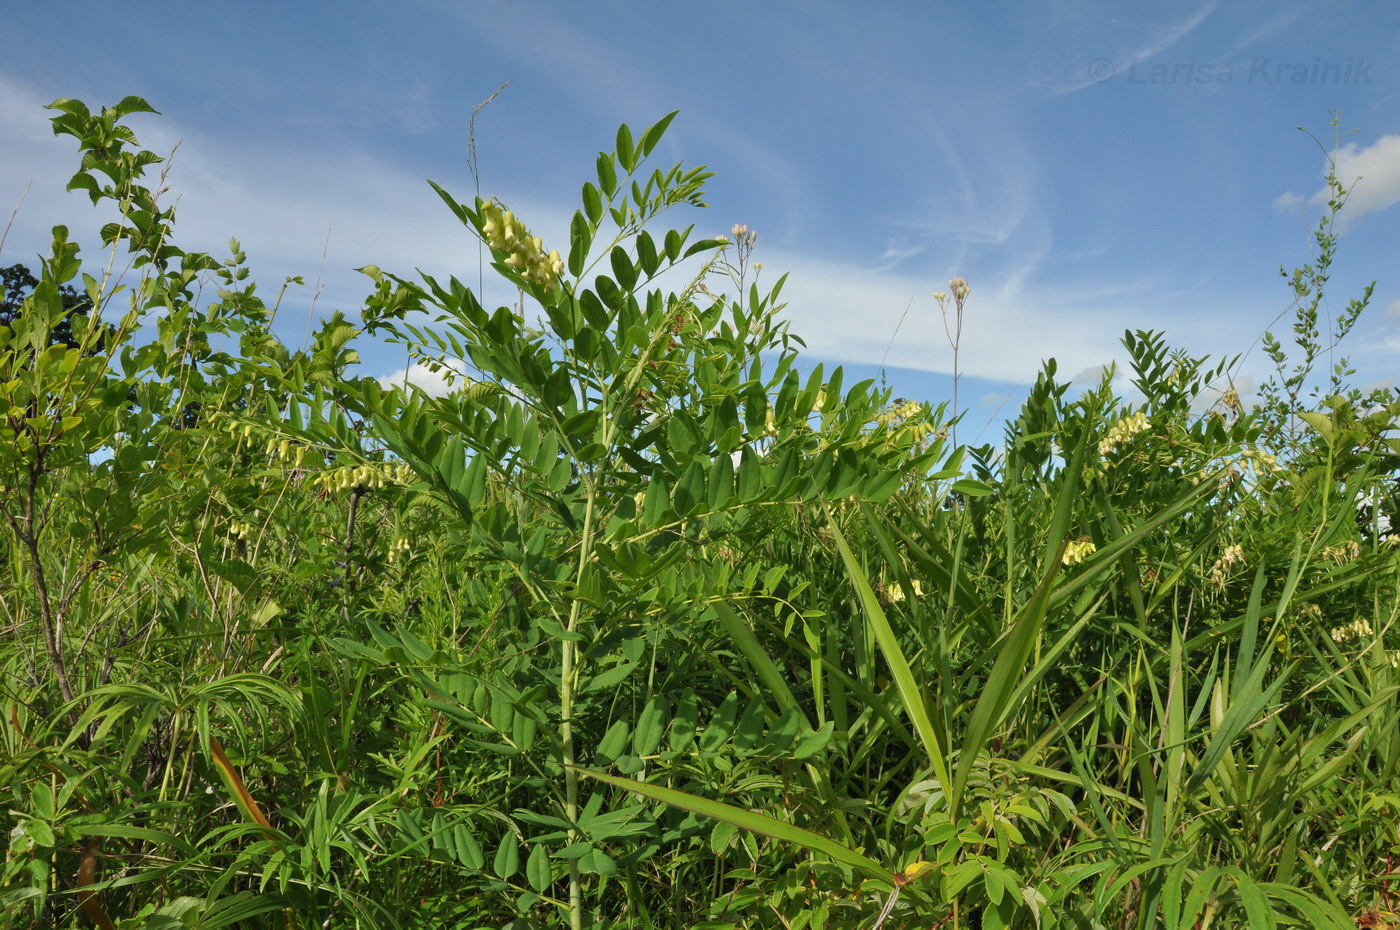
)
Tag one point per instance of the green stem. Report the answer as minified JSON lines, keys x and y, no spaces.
{"x":566,"y":712}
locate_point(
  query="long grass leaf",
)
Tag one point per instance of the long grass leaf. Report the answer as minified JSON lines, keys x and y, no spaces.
{"x":751,"y":821}
{"x":911,"y":696}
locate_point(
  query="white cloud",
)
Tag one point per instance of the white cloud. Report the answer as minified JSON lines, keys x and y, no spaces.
{"x":1378,"y":385}
{"x":1373,"y":175}
{"x":1287,"y":201}
{"x":286,"y":206}
{"x":1091,"y":376}
{"x":849,"y":313}
{"x":419,"y":375}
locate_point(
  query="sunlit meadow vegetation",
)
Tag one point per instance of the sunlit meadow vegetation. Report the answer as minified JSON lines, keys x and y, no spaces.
{"x":640,"y":627}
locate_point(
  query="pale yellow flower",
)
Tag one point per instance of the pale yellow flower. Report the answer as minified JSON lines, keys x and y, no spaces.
{"x":1122,"y":431}
{"x":896,"y":594}
{"x":1356,"y":629}
{"x":1342,"y":553}
{"x":1232,"y":556}
{"x":1078,"y":550}
{"x":505,"y":233}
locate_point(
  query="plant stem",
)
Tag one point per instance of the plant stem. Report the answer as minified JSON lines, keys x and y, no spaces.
{"x":566,"y":713}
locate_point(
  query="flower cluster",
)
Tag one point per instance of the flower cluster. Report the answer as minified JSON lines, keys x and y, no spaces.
{"x":899,"y":413}
{"x":1356,"y":629}
{"x":905,"y":416}
{"x":1078,"y":550}
{"x":1122,"y":431}
{"x":240,"y":530}
{"x":369,"y":475}
{"x":894,"y":593}
{"x":505,"y":233}
{"x":1343,"y":553}
{"x":398,"y":549}
{"x":1232,"y":555}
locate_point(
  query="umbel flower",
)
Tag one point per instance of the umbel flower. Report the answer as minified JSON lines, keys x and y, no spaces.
{"x":505,"y":233}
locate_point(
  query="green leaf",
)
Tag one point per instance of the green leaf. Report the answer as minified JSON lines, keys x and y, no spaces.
{"x":752,"y":821}
{"x":507,"y":859}
{"x":689,"y":494}
{"x":1320,"y":422}
{"x":128,"y":105}
{"x":812,"y":741}
{"x":1017,"y":645}
{"x":613,"y":743}
{"x":580,"y":241}
{"x":651,"y":726}
{"x":607,"y":175}
{"x":468,"y":849}
{"x":970,"y":487}
{"x":749,"y":730}
{"x":626,"y":154}
{"x":597,"y":862}
{"x":592,"y":203}
{"x":750,"y":477}
{"x":753,"y":652}
{"x":612,"y":677}
{"x":721,"y":725}
{"x":654,"y":133}
{"x":537,"y":869}
{"x":40,"y":832}
{"x":683,"y":724}
{"x":1256,"y":906}
{"x":646,"y":253}
{"x":623,"y":269}
{"x":910,"y":695}
{"x":657,"y":503}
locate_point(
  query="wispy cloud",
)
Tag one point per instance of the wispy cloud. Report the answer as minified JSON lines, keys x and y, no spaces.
{"x":1114,"y":61}
{"x":1372,"y":173}
{"x":897,"y":251}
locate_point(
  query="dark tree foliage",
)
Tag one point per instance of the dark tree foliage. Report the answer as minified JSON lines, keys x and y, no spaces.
{"x":19,"y":282}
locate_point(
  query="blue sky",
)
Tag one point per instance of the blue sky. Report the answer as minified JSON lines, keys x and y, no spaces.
{"x":1086,"y":167}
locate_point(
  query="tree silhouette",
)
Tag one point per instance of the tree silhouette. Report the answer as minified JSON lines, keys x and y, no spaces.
{"x":20,"y":282}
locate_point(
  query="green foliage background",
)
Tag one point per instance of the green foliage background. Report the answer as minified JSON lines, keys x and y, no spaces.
{"x":638,"y":627}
